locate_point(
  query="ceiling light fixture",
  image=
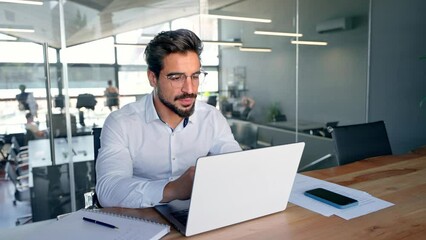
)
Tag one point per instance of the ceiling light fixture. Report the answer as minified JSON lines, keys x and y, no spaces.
{"x":309,"y":43}
{"x":252,"y":49}
{"x":224,"y":43}
{"x":9,"y":29}
{"x":246,"y":19}
{"x":23,"y":2}
{"x":281,"y":34}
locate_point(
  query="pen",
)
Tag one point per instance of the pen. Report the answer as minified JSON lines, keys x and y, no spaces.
{"x":99,"y":222}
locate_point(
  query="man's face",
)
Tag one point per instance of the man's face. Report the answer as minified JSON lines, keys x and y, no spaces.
{"x":179,"y":98}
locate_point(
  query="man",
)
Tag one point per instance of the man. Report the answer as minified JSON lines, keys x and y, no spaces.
{"x":149,"y":148}
{"x":32,"y":127}
{"x":248,"y":104}
{"x":111,"y":94}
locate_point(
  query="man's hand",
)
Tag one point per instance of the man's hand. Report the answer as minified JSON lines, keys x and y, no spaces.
{"x":181,"y":188}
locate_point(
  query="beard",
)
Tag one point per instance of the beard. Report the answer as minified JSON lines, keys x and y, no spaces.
{"x":180,"y":112}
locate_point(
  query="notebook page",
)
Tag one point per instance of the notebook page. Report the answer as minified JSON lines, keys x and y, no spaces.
{"x":73,"y":227}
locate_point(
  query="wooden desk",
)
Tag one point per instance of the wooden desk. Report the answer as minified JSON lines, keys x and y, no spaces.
{"x":398,"y":179}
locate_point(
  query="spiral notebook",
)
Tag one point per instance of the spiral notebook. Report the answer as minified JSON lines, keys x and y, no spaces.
{"x":74,"y":227}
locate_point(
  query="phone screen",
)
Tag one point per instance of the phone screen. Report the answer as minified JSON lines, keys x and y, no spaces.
{"x":332,"y":198}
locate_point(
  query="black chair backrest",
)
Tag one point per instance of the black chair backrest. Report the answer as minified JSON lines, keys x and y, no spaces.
{"x":360,"y":141}
{"x":212,"y":100}
{"x":96,"y":145}
{"x":331,"y":124}
{"x":96,"y":140}
{"x":29,"y":135}
{"x":86,"y":100}
{"x":112,"y":99}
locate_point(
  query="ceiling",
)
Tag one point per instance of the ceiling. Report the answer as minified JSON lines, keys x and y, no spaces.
{"x":88,"y":20}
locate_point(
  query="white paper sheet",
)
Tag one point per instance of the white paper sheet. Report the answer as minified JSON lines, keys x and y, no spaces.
{"x":367,"y":203}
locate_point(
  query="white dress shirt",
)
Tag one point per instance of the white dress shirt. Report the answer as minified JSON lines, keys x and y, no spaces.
{"x":140,"y":154}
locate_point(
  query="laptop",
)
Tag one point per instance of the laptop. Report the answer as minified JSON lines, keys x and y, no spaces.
{"x":235,"y":187}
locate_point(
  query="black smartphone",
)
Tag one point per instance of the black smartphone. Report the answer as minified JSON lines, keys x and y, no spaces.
{"x":331,"y":198}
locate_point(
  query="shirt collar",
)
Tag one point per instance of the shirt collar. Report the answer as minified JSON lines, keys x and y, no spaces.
{"x":152,"y":115}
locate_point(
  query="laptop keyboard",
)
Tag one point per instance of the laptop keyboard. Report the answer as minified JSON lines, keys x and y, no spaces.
{"x":181,"y":216}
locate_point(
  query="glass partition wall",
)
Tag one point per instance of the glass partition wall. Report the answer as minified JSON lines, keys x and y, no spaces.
{"x":314,"y":75}
{"x":332,"y":74}
{"x":298,"y":89}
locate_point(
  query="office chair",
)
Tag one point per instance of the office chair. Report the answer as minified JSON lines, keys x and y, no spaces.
{"x":245,"y":134}
{"x":212,"y":100}
{"x":87,"y":101}
{"x":113,"y":100}
{"x":357,"y":142}
{"x":22,"y":189}
{"x":263,"y":138}
{"x":324,"y":132}
{"x":29,"y":135}
{"x":2,"y":144}
{"x":18,"y":155}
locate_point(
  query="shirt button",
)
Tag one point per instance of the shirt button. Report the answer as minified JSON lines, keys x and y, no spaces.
{"x":173,"y":158}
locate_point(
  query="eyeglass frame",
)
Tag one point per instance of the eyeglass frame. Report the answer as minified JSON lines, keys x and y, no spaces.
{"x":183,"y":77}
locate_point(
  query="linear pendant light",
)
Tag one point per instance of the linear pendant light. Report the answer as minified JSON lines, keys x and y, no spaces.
{"x":8,"y":29}
{"x":253,"y":49}
{"x":246,"y":19}
{"x":281,"y":34}
{"x":316,"y":43}
{"x":23,"y":2}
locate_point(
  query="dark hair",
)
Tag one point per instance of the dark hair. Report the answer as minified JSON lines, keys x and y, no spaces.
{"x":165,"y":43}
{"x":28,"y":115}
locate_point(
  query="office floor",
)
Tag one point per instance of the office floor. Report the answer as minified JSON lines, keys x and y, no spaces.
{"x":9,"y":212}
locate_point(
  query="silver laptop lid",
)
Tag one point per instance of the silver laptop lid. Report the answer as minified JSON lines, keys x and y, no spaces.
{"x":236,"y":187}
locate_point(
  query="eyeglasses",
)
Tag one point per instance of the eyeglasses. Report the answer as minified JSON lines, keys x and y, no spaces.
{"x":177,"y":79}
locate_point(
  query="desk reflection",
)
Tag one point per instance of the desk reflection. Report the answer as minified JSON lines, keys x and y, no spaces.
{"x":50,"y":194}
{"x":50,"y":184}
